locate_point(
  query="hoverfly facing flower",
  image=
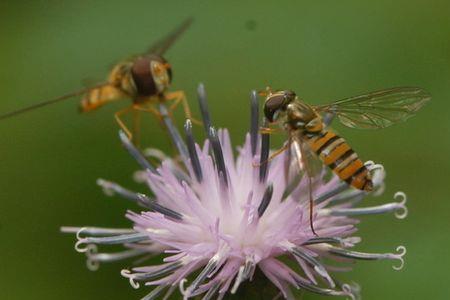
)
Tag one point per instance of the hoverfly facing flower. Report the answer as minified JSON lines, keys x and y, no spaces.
{"x":143,"y":78}
{"x":307,"y":127}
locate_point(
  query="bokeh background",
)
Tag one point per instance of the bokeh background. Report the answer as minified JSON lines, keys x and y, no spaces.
{"x":324,"y":50}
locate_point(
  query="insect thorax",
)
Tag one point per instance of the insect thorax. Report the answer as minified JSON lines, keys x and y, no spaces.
{"x":301,"y":116}
{"x":121,"y":78}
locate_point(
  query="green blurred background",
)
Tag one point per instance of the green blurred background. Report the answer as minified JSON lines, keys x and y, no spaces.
{"x":51,"y":158}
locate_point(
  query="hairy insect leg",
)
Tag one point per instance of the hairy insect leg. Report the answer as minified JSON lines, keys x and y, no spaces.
{"x":180,"y":97}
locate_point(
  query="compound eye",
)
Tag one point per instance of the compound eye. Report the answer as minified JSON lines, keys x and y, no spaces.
{"x":275,"y":102}
{"x":272,"y":105}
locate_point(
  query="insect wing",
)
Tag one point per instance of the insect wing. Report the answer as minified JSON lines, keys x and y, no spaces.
{"x":162,"y":45}
{"x":305,"y":158}
{"x":51,"y":101}
{"x":378,"y":109}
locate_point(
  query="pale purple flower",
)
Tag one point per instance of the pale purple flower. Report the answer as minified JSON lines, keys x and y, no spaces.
{"x":222,"y":217}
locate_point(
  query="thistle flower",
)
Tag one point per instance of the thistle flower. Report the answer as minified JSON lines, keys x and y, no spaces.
{"x":217,"y":219}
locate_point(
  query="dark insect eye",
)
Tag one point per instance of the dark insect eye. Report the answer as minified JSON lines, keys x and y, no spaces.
{"x":275,"y":102}
{"x":143,"y":78}
{"x":143,"y":70}
{"x":272,"y":105}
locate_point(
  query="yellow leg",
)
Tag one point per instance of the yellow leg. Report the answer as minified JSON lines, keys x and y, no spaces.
{"x":273,"y":155}
{"x":136,"y":127}
{"x":134,"y":135}
{"x":179,"y":97}
{"x":268,"y":130}
{"x":122,"y":125}
{"x":148,"y":109}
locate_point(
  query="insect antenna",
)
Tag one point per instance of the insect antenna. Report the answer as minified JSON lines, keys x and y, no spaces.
{"x":162,"y":45}
{"x":48,"y":102}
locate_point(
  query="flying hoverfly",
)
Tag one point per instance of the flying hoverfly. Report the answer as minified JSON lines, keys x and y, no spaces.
{"x":307,"y":127}
{"x":143,"y":78}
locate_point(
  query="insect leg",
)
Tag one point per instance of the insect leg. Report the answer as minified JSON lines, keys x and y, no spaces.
{"x":122,"y":125}
{"x":268,"y":130}
{"x":275,"y":154}
{"x":311,"y":200}
{"x":301,"y":153}
{"x":149,"y":109}
{"x":136,"y":127}
{"x":180,"y":97}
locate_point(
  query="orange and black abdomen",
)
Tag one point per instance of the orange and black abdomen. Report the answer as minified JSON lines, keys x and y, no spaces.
{"x":339,"y":156}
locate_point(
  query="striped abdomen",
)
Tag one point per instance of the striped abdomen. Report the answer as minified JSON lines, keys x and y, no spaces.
{"x":339,"y":156}
{"x":98,"y":97}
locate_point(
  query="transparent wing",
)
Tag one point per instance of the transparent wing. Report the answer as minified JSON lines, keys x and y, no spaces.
{"x":304,"y":159}
{"x":307,"y":161}
{"x":378,"y":109}
{"x":51,"y":101}
{"x":162,"y":45}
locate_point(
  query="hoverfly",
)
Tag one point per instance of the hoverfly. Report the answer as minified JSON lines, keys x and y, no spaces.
{"x":143,"y":78}
{"x":307,"y":127}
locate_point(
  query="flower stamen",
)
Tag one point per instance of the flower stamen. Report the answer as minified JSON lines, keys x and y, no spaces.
{"x":135,"y":153}
{"x":202,"y":99}
{"x":263,"y":161}
{"x":155,"y":293}
{"x":218,"y":155}
{"x":195,"y":162}
{"x":254,"y":120}
{"x":346,"y":290}
{"x":327,"y":195}
{"x":95,"y":231}
{"x":265,"y":200}
{"x":371,"y":256}
{"x":174,"y":133}
{"x":94,"y":258}
{"x":399,"y":208}
{"x":318,"y":267}
{"x":109,"y":240}
{"x":204,"y":274}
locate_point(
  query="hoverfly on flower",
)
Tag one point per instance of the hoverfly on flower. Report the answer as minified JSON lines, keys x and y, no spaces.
{"x":309,"y":135}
